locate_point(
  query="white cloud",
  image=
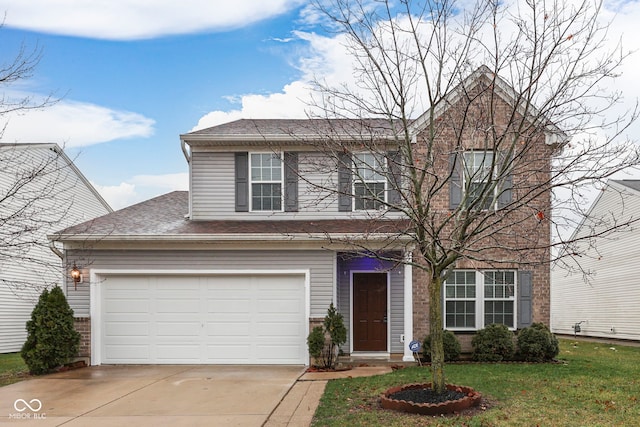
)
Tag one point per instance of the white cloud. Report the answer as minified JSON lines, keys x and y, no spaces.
{"x":137,"y":19}
{"x":142,"y":187}
{"x":75,"y":124}
{"x":291,"y":103}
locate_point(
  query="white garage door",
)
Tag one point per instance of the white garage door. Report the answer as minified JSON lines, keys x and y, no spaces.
{"x":227,"y":319}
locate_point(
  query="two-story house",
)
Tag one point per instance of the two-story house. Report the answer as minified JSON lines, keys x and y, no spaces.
{"x":276,"y":225}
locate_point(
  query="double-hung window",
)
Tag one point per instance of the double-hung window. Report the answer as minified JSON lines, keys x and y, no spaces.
{"x":478,"y":177}
{"x":475,"y":299}
{"x":266,"y":181}
{"x":369,"y":181}
{"x":460,"y":300}
{"x":499,"y":293}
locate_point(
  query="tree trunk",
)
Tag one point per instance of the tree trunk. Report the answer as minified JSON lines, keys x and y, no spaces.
{"x":436,"y":332}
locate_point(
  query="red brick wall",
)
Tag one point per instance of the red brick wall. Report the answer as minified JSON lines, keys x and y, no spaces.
{"x":83,"y":325}
{"x":515,"y":239}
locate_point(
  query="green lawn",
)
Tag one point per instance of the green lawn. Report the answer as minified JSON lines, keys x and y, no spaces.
{"x":12,"y":368}
{"x":594,"y":385}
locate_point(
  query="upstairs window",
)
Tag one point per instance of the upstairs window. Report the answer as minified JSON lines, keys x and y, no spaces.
{"x":369,"y":182}
{"x":266,"y":182}
{"x":478,"y":174}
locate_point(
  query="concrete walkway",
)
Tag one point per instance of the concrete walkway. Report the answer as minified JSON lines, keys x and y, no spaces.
{"x":299,"y":405}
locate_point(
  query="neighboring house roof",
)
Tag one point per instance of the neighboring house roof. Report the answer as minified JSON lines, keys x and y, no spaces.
{"x":634,"y":184}
{"x":60,"y":152}
{"x":164,"y":217}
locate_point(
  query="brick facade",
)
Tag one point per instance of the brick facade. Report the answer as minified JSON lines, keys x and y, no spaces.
{"x":516,"y":238}
{"x":83,"y":325}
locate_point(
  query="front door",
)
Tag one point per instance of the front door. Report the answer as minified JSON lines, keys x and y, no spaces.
{"x":369,"y":312}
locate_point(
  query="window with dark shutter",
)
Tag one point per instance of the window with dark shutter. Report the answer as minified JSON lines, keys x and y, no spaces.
{"x":291,"y":182}
{"x":242,"y":182}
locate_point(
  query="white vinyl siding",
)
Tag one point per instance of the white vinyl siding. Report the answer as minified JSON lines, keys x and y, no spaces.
{"x":606,"y":300}
{"x":320,"y":263}
{"x":72,"y":201}
{"x":213,"y":190}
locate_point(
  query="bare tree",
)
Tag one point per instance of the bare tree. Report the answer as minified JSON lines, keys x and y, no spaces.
{"x":34,"y":187}
{"x":490,"y":110}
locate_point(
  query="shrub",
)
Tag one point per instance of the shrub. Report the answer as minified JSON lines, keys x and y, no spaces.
{"x":537,"y":344}
{"x":493,"y":344}
{"x":325,"y":351}
{"x":315,"y":341}
{"x":51,"y":338}
{"x":451,"y":345}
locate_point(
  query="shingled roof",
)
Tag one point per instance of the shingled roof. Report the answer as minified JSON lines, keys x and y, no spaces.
{"x":164,"y":217}
{"x":298,"y":129}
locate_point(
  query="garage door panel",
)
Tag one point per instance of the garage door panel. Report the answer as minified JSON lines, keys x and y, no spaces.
{"x":178,"y":329}
{"x":208,"y":319}
{"x":228,"y":329}
{"x":132,"y":329}
{"x":129,"y":353}
{"x":229,"y":305}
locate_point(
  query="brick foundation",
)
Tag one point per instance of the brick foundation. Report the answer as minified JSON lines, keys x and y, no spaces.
{"x":83,"y":325}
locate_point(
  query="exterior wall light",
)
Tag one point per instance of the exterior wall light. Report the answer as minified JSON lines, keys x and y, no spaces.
{"x":76,"y":275}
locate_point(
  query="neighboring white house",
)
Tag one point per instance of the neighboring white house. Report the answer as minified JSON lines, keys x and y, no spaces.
{"x":41,"y":191}
{"x":601,"y":297}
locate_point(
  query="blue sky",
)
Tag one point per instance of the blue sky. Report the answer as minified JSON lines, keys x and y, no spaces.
{"x":133,"y":75}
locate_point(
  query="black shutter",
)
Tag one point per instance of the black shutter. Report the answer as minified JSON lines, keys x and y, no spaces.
{"x":455,"y":184}
{"x":506,"y":185}
{"x":291,"y":182}
{"x":242,"y":182}
{"x":525,"y":299}
{"x":344,"y":182}
{"x":394,"y":180}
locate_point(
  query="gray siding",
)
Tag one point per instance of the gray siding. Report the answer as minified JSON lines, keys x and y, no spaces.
{"x":320,"y":263}
{"x":607,"y":301}
{"x":213,"y":190}
{"x":396,"y":303}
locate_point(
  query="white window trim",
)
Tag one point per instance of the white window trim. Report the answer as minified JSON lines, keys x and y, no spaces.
{"x":465,"y":185}
{"x":251,"y":182}
{"x":480,"y":299}
{"x":357,"y":179}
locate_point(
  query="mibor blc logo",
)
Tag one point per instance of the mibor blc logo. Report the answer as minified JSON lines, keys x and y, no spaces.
{"x":28,"y":410}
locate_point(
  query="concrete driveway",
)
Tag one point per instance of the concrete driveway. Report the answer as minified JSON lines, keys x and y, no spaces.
{"x":155,"y":395}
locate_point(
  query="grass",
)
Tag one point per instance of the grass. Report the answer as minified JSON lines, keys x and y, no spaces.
{"x":594,"y":385}
{"x":12,"y":368}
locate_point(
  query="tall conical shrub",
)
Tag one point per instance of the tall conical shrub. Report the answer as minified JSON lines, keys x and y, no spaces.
{"x":52,"y":340}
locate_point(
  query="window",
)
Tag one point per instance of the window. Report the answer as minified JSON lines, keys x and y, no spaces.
{"x":475,"y":299}
{"x":499,"y":292}
{"x":477,"y":175}
{"x":460,"y":300}
{"x":370,"y":182}
{"x":266,"y":182}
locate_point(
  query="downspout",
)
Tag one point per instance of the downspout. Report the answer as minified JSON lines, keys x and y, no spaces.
{"x":55,"y":250}
{"x":187,"y":157}
{"x":183,"y":145}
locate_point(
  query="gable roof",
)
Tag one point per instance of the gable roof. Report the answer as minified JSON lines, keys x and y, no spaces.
{"x":55,"y":148}
{"x":164,"y":218}
{"x":501,"y":88}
